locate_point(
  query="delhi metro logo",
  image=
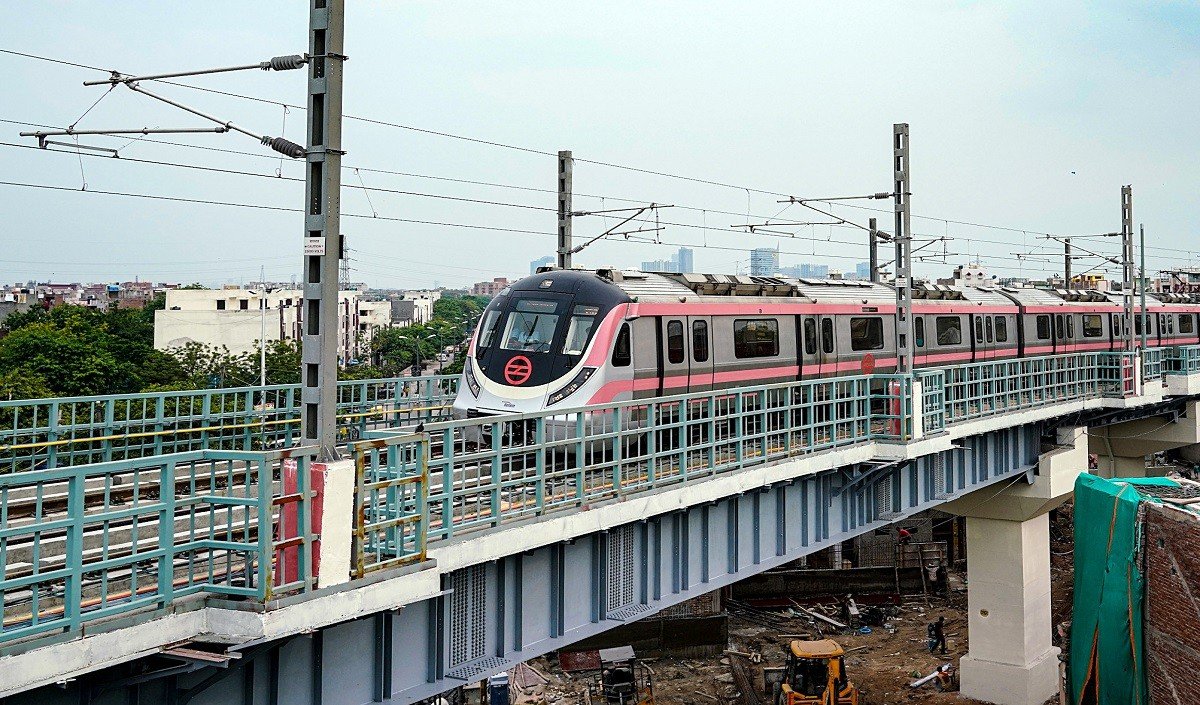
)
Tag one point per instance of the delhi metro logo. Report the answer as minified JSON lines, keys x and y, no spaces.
{"x":518,"y":370}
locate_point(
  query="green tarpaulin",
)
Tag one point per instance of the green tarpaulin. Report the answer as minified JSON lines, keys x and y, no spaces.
{"x":1107,"y":660}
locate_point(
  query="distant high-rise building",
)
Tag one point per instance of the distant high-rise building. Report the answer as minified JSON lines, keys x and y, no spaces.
{"x":764,"y":262}
{"x":657,"y":265}
{"x":862,"y":270}
{"x":814,"y":271}
{"x":541,"y":262}
{"x":683,"y":260}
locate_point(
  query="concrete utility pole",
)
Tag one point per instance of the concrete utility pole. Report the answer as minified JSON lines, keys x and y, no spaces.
{"x":1127,"y":266}
{"x":322,"y":216}
{"x":903,"y":237}
{"x":873,"y":241}
{"x":1066,"y":263}
{"x":566,"y":167}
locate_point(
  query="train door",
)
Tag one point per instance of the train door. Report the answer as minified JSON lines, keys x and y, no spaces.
{"x":827,"y":348}
{"x":808,"y":348}
{"x":699,"y":330}
{"x":676,"y":366}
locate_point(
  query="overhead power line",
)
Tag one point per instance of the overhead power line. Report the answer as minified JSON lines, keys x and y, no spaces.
{"x":531,"y":150}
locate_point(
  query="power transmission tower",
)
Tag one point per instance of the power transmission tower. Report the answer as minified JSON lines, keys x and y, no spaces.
{"x":345,"y":254}
{"x":1127,"y":267}
{"x":903,"y":238}
{"x":566,"y":167}
{"x":322,"y":213}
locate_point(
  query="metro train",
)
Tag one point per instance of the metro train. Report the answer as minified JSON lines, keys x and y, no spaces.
{"x":567,"y":338}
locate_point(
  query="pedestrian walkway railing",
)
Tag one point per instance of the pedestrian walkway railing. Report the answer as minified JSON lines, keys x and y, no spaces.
{"x":88,"y":542}
{"x":56,"y":432}
{"x":1182,"y":360}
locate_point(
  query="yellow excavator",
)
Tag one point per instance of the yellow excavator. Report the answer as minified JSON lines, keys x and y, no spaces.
{"x":816,"y":675}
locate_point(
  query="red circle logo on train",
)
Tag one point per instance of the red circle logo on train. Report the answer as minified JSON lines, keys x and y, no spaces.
{"x":518,"y":370}
{"x":868,"y":364}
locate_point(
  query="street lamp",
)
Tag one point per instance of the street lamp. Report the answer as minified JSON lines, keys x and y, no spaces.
{"x":416,"y":369}
{"x":262,"y":336}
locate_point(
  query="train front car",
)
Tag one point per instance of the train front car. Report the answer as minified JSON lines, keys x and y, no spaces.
{"x":542,"y":342}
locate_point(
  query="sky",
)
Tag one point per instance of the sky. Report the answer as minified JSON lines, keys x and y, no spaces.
{"x":1025,"y":118}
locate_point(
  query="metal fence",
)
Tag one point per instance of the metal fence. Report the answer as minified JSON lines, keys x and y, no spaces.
{"x":82,"y":543}
{"x":1182,"y":360}
{"x":990,"y":388}
{"x":390,"y":496}
{"x":1152,"y":363}
{"x":49,"y":433}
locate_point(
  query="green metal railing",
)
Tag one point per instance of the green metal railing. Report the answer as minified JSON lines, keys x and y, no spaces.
{"x":1152,"y":363}
{"x":82,"y":543}
{"x":1182,"y":360}
{"x":990,"y":388}
{"x":56,"y":432}
{"x":933,"y":400}
{"x":390,"y":495}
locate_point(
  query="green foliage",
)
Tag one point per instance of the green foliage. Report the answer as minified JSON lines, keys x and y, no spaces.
{"x":81,"y":351}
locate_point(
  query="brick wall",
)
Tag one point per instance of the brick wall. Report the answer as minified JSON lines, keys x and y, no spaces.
{"x":1172,"y":546}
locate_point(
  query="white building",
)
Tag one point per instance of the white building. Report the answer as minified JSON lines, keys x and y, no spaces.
{"x":233,"y":318}
{"x":423,"y":300}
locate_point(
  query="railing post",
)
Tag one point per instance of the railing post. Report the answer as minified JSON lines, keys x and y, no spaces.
{"x":497,"y":463}
{"x":51,"y":434}
{"x":423,"y":496}
{"x":73,"y":590}
{"x":166,"y":531}
{"x":109,"y":408}
{"x":539,"y":491}
{"x":651,"y":446}
{"x":616,"y":467}
{"x":160,"y":404}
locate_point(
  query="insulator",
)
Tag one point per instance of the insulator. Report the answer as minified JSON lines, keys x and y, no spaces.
{"x":285,"y":63}
{"x":882,"y":194}
{"x":284,"y":147}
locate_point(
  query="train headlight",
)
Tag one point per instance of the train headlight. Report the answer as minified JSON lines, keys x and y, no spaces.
{"x":584,"y":375}
{"x":472,"y":383}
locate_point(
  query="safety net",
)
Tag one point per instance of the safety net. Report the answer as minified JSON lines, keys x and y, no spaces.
{"x":1107,"y":659}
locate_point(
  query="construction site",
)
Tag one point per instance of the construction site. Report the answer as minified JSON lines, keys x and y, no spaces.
{"x":792,"y":636}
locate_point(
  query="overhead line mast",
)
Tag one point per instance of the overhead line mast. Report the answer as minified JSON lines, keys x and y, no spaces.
{"x":322,"y":221}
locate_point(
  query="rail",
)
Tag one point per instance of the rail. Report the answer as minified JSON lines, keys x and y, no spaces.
{"x":56,"y":432}
{"x":88,"y":542}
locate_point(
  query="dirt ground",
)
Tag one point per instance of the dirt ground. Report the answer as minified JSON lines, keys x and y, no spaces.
{"x":880,"y":663}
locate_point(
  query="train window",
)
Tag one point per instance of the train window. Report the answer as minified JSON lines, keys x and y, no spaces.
{"x":580,"y":331}
{"x":1186,"y":324}
{"x":1070,"y":326}
{"x":866,"y":333}
{"x":487,"y":331}
{"x":1001,"y":329}
{"x":755,"y":338}
{"x":949,"y":330}
{"x":979,"y":329}
{"x":919,"y":332}
{"x":1170,"y":324}
{"x":810,"y":336}
{"x":674,"y":342}
{"x":827,"y":335}
{"x":700,"y":341}
{"x":989,"y":328}
{"x":1093,"y":326}
{"x":621,"y":356}
{"x":1043,"y":327}
{"x":531,"y":326}
{"x":1138,"y":322}
{"x":1060,"y":326}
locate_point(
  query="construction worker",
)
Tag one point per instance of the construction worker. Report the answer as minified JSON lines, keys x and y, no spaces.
{"x":903,"y":536}
{"x":936,"y":633}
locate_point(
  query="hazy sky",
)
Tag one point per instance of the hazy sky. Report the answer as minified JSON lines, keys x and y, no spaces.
{"x":1023,"y":115}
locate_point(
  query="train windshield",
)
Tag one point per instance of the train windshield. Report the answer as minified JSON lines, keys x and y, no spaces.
{"x":487,"y":331}
{"x":531,"y":326}
{"x":583,"y":320}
